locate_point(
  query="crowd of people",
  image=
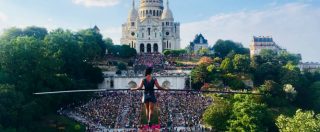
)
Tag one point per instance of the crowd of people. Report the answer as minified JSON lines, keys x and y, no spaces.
{"x":160,"y":62}
{"x":122,"y":110}
{"x":155,"y":60}
{"x":182,"y":109}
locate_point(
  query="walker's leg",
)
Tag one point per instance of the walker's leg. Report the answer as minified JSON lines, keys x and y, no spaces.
{"x":147,"y":109}
{"x":151,"y":105}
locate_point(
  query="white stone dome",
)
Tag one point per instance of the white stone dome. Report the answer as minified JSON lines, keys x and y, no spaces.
{"x":133,"y":13}
{"x":167,"y":13}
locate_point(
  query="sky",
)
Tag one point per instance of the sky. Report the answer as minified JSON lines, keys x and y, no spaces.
{"x":294,"y":24}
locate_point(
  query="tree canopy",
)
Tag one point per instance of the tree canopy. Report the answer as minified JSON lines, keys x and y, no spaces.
{"x":216,"y":116}
{"x":174,"y":53}
{"x":33,"y":60}
{"x":224,"y":47}
{"x":237,"y":113}
{"x":302,"y":121}
{"x":248,"y":115}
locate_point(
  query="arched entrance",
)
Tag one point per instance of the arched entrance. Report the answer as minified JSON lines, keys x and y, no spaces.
{"x":166,"y":84}
{"x":148,"y":48}
{"x":132,"y":84}
{"x":141,"y":48}
{"x":111,"y":84}
{"x":155,"y":47}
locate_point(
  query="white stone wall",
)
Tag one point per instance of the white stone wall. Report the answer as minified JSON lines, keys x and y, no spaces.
{"x":309,"y":66}
{"x":256,"y":47}
{"x":106,"y":84}
{"x":176,"y":82}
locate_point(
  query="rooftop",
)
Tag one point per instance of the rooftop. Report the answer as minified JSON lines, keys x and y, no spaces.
{"x":199,"y":39}
{"x":262,"y":39}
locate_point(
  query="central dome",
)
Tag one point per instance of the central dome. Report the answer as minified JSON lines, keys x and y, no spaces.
{"x":151,"y":3}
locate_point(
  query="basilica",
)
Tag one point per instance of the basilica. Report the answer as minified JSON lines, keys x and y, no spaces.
{"x":151,"y":28}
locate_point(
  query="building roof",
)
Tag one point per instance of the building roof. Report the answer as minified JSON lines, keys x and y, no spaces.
{"x":262,"y":39}
{"x":199,"y":39}
{"x":96,"y":28}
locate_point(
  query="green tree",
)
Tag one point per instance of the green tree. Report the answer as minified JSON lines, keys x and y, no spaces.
{"x":301,"y":122}
{"x":233,"y":82}
{"x":37,"y":32}
{"x":177,"y":53}
{"x":200,"y":75}
{"x":266,"y":71}
{"x":28,"y":68}
{"x":290,"y":74}
{"x":121,"y":66}
{"x":124,"y":51}
{"x":92,"y":43}
{"x":273,"y":93}
{"x":217,"y":114}
{"x":268,"y":55}
{"x":212,"y":68}
{"x":203,"y":51}
{"x":167,"y":52}
{"x":280,"y":67}
{"x":26,"y":58}
{"x":241,"y":63}
{"x":32,"y":31}
{"x":306,"y":92}
{"x":11,"y":33}
{"x":236,"y":84}
{"x":315,"y":96}
{"x":109,"y":44}
{"x":223,"y":48}
{"x":286,"y":57}
{"x":29,"y":64}
{"x":10,"y":102}
{"x":227,"y":65}
{"x":248,"y":115}
{"x":217,"y":60}
{"x":127,"y":51}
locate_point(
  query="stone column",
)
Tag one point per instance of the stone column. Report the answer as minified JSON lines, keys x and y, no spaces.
{"x":152,"y":48}
{"x":145,"y":48}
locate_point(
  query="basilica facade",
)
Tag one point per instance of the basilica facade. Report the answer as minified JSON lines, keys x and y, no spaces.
{"x":151,"y":28}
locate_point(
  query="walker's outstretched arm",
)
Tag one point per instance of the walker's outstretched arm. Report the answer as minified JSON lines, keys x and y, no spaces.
{"x":139,"y":87}
{"x":159,"y":87}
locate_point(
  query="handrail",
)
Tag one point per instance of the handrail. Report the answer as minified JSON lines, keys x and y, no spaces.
{"x":115,"y":90}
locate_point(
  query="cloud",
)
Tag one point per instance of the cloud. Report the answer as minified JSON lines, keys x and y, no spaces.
{"x":294,"y":26}
{"x":96,"y":3}
{"x":3,"y":21}
{"x":3,"y":17}
{"x":112,"y":32}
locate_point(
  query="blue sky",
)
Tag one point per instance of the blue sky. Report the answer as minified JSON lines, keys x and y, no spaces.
{"x":294,"y":24}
